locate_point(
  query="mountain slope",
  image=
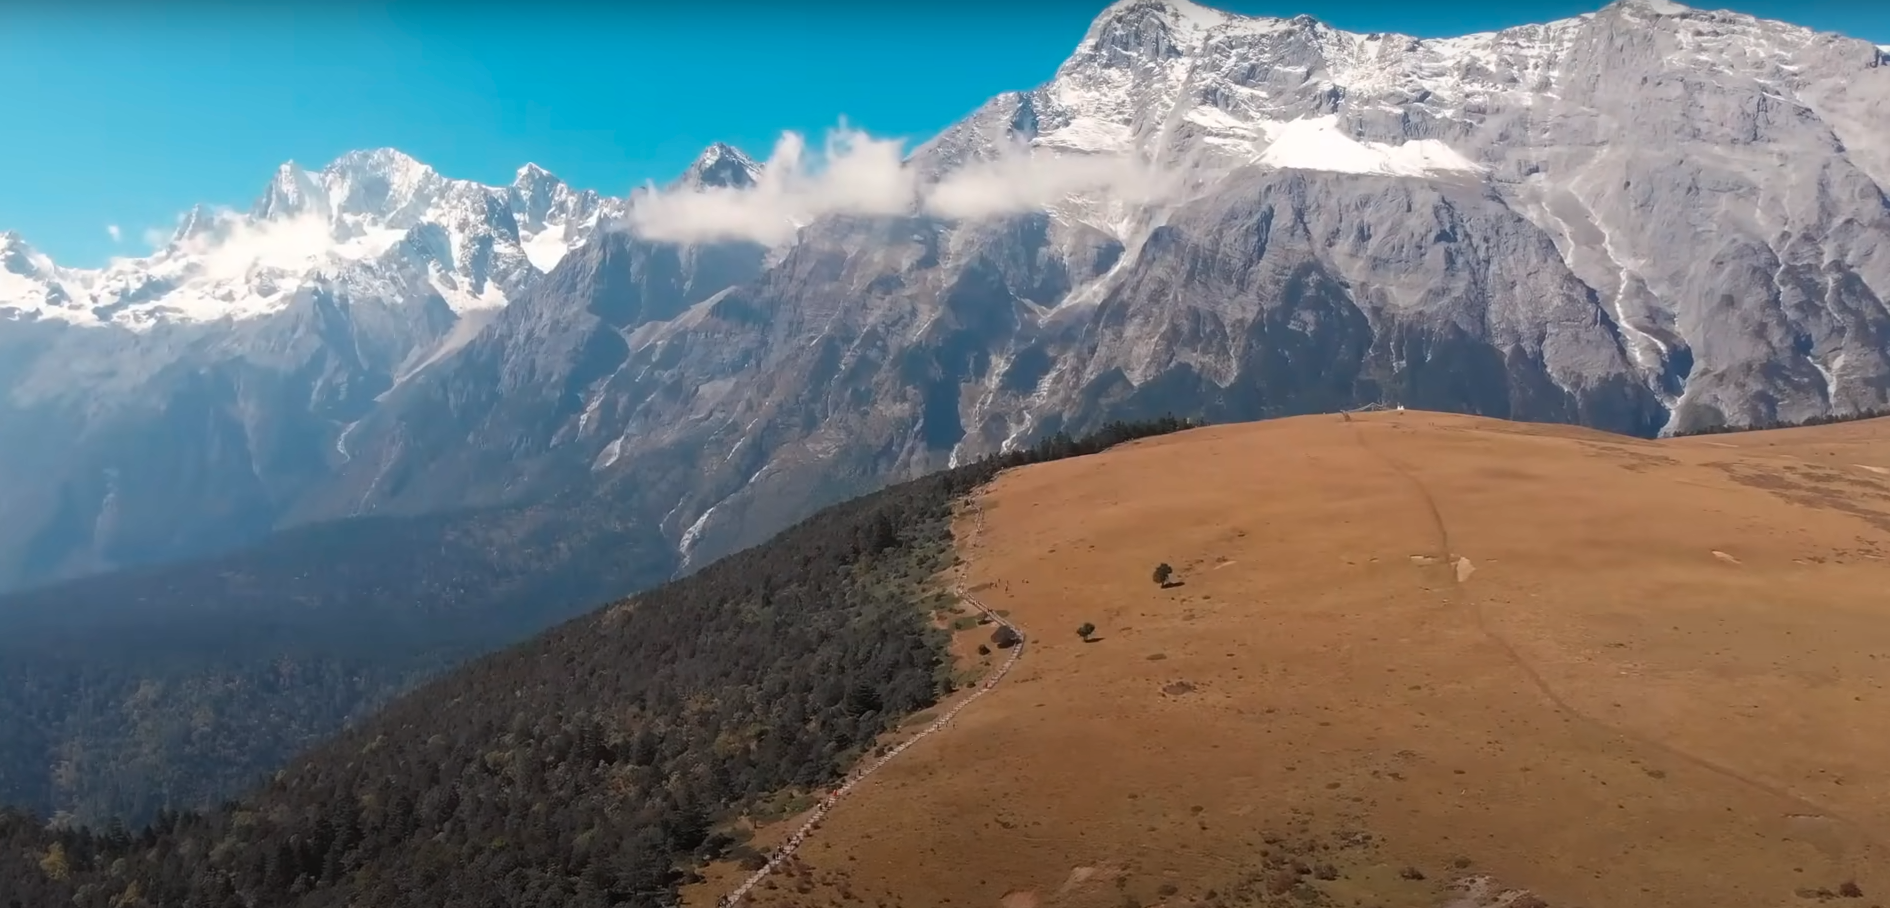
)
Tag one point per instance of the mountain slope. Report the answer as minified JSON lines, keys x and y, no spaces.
{"x":184,"y":402}
{"x":1365,"y":685}
{"x":1645,"y":219}
{"x":1649,"y":218}
{"x":1379,"y":656}
{"x":1648,"y":144}
{"x":180,"y":685}
{"x":590,"y":765}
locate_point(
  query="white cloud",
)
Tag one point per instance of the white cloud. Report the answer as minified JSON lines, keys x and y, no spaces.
{"x":1024,"y":181}
{"x":112,"y":229}
{"x":235,"y":244}
{"x":239,"y":245}
{"x":856,"y":174}
{"x":229,"y":245}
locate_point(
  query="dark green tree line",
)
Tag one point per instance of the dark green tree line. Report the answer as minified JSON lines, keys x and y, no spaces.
{"x":1825,"y":420}
{"x":588,"y":766}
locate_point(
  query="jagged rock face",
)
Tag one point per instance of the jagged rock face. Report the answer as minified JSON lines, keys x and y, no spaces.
{"x":882,"y":349}
{"x":1301,"y":292}
{"x":1714,"y":179}
{"x":507,"y":415}
{"x":1643,"y":219}
{"x":191,"y":400}
{"x":1649,"y":218}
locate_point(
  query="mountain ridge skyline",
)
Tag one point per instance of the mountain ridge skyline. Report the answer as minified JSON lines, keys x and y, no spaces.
{"x":421,"y":359}
{"x":1510,"y":224}
{"x":590,"y":123}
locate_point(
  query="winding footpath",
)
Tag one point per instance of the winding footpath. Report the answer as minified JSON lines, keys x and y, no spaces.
{"x":786,"y":850}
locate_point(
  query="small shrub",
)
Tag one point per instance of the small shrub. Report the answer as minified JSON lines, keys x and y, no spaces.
{"x":1086,"y":630}
{"x":747,"y":858}
{"x":1163,"y":573}
{"x":983,"y":650}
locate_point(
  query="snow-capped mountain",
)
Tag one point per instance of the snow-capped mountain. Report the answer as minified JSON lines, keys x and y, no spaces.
{"x":1645,"y":218}
{"x":1673,"y":158}
{"x":184,"y":400}
{"x":1642,"y":219}
{"x":372,"y":221}
{"x":721,"y":165}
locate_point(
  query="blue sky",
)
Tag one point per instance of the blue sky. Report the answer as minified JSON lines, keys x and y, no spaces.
{"x":126,"y":114}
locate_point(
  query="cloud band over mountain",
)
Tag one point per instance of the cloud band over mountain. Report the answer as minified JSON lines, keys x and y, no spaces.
{"x":858,"y":174}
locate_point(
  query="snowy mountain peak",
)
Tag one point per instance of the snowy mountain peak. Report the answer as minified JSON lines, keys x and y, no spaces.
{"x":293,"y":191}
{"x":199,"y":220}
{"x":381,"y":183}
{"x":372,"y":225}
{"x":538,"y":188}
{"x":1180,"y":84}
{"x":1657,"y":7}
{"x":1155,"y":29}
{"x":1180,"y":14}
{"x":552,"y":217}
{"x":388,"y":163}
{"x":18,"y":258}
{"x":721,"y":165}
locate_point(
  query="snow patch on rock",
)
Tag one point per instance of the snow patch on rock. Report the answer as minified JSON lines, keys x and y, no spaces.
{"x":1318,"y":143}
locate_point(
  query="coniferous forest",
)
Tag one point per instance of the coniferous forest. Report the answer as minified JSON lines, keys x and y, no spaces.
{"x":184,"y":684}
{"x":592,"y":765}
{"x":1826,"y":420}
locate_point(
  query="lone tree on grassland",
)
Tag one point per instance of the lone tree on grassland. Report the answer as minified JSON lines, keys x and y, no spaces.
{"x":1162,"y":573}
{"x":1086,"y":630}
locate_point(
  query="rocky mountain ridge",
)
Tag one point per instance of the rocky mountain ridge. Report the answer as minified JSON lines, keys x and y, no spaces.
{"x":1645,"y":218}
{"x":180,"y":402}
{"x":373,"y":221}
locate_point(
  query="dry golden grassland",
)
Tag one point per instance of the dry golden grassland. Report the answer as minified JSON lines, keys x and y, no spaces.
{"x":1412,"y":660}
